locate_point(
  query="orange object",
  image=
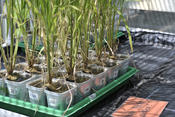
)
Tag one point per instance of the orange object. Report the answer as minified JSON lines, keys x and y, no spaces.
{"x":140,"y":107}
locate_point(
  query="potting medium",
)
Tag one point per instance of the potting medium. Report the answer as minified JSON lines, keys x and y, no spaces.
{"x":61,"y":100}
{"x":21,"y":66}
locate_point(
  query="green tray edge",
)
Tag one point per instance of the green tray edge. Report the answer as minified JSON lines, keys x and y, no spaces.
{"x":101,"y":94}
{"x":34,"y":110}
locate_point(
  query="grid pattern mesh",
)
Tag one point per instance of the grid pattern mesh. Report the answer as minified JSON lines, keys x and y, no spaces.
{"x":158,"y":15}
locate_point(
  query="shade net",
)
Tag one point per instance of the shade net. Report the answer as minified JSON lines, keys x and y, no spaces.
{"x":157,"y":15}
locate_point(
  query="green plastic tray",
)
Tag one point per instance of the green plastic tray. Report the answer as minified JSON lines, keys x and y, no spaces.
{"x":34,"y":110}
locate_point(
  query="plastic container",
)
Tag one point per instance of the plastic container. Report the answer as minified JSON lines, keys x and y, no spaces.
{"x":124,"y":67}
{"x":99,"y":80}
{"x":123,"y":64}
{"x":112,"y":73}
{"x":36,"y":95}
{"x":3,"y":87}
{"x":84,"y":89}
{"x":30,"y":109}
{"x":18,"y":90}
{"x":61,"y":100}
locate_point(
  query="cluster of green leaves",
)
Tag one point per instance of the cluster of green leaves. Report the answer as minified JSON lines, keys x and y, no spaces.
{"x":22,"y":17}
{"x":47,"y":12}
{"x":9,"y":58}
{"x":63,"y":25}
{"x":105,"y":21}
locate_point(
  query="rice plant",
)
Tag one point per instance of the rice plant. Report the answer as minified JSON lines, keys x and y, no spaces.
{"x":22,"y":17}
{"x":10,"y":58}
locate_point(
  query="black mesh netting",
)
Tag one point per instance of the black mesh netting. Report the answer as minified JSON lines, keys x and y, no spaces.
{"x":154,"y":56}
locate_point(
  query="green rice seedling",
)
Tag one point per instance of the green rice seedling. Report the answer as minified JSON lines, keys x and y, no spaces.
{"x":10,"y":58}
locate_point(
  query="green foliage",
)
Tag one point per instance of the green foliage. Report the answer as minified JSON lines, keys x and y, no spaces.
{"x":10,"y":59}
{"x":64,"y":26}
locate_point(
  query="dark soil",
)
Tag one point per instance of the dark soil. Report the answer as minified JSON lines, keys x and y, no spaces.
{"x":2,"y":74}
{"x":110,"y":63}
{"x":60,"y":88}
{"x":20,"y":67}
{"x":105,"y":62}
{"x":95,"y":69}
{"x":19,"y":77}
{"x":36,"y":68}
{"x":77,"y":79}
{"x":81,"y":80}
{"x":57,"y":74}
{"x":38,"y":84}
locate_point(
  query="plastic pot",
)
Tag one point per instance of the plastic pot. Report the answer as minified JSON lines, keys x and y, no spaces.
{"x":111,"y":69}
{"x":36,"y":95}
{"x":123,"y":63}
{"x":99,"y":80}
{"x":18,"y":90}
{"x":61,"y":100}
{"x":84,"y":89}
{"x":3,"y":88}
{"x":112,"y":73}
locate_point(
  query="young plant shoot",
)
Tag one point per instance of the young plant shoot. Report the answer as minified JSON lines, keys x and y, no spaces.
{"x":10,"y":59}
